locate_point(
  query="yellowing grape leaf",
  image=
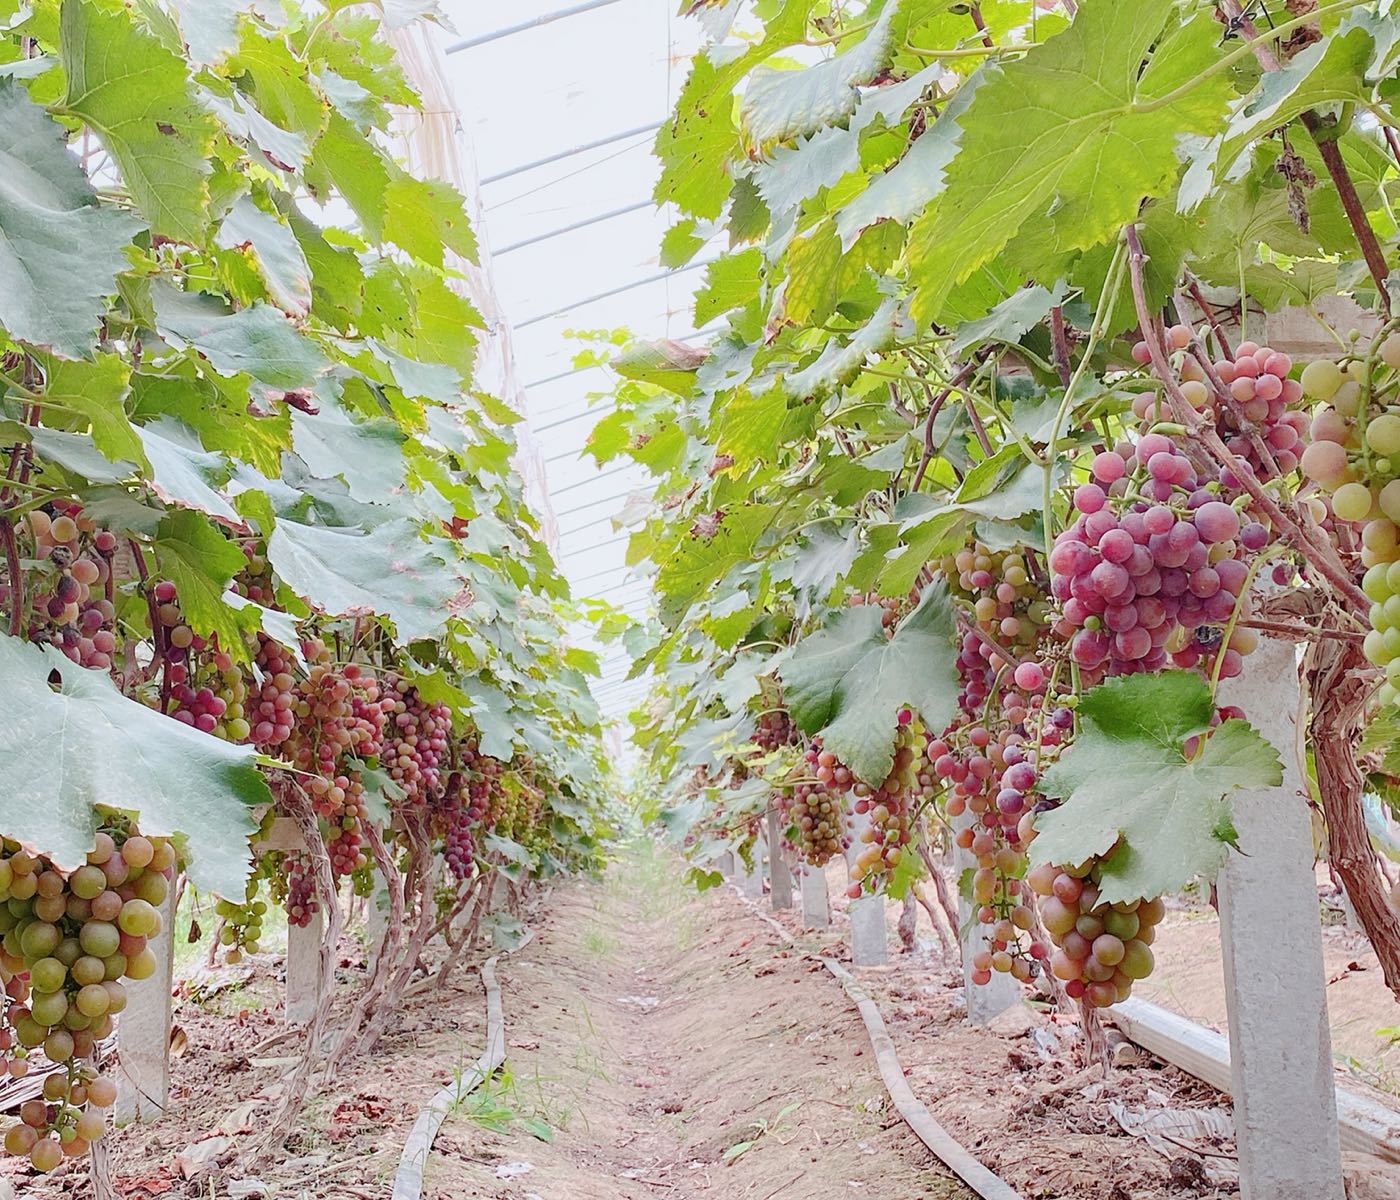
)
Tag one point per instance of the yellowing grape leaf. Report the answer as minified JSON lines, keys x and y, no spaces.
{"x":1132,"y":798}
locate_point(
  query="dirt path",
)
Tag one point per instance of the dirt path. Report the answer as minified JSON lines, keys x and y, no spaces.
{"x":667,"y":1046}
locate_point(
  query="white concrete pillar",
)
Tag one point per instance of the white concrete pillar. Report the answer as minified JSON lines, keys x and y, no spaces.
{"x":984,"y":1000}
{"x":304,"y":969}
{"x":750,"y":877}
{"x":816,"y":904}
{"x":779,"y":874}
{"x":870,"y":941}
{"x":1280,"y":1044}
{"x":143,"y":1031}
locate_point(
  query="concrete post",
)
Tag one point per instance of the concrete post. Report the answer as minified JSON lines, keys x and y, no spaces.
{"x":984,"y":1000}
{"x":779,"y":874}
{"x":1280,"y":1044}
{"x":304,"y":969}
{"x":816,"y":904}
{"x":869,"y":937}
{"x":143,"y":1031}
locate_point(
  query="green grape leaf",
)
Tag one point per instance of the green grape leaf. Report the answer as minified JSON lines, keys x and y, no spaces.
{"x":730,"y":282}
{"x":283,"y":149}
{"x":426,"y":217}
{"x":1131,"y":797}
{"x":368,"y":455}
{"x":695,"y":144}
{"x":793,"y":174}
{"x":92,"y":394}
{"x":345,"y":159}
{"x":281,"y":627}
{"x":60,"y":252}
{"x":183,"y":472}
{"x":389,"y":571}
{"x":696,"y":562}
{"x":201,"y":563}
{"x":210,"y":27}
{"x":848,"y":681}
{"x":137,"y":96}
{"x":1010,"y":320}
{"x":274,"y":252}
{"x":71,"y":747}
{"x":75,"y":452}
{"x":1072,"y":137}
{"x":1329,"y":71}
{"x":779,"y":105}
{"x":257,"y":341}
{"x":840,"y":362}
{"x":902,"y":192}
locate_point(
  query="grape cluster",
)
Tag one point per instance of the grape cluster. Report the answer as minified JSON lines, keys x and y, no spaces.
{"x":1355,"y":455}
{"x":1151,"y":559}
{"x":299,"y":884}
{"x":243,"y":924}
{"x":1260,"y":421}
{"x":415,"y":741}
{"x":773,"y":730}
{"x":1101,"y":949}
{"x":69,"y":940}
{"x":211,"y":693}
{"x":460,"y":815}
{"x":273,"y":714}
{"x":1005,"y":600}
{"x":890,"y":808}
{"x":74,"y":609}
{"x":816,"y":805}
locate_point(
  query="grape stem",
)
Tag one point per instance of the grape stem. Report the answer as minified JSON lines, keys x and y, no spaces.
{"x":1322,"y":556}
{"x":1303,"y":633}
{"x":1326,"y":143}
{"x":991,"y":643}
{"x":1193,"y":287}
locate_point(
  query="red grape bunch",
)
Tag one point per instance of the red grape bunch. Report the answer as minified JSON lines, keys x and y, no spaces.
{"x":1146,"y":567}
{"x":415,"y":741}
{"x":815,"y":805}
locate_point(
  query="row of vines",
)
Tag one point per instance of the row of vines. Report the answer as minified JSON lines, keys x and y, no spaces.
{"x":263,"y":552}
{"x":992,"y":481}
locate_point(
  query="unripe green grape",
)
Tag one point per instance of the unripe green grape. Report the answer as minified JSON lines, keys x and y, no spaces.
{"x":1352,"y":501}
{"x":1374,"y":648}
{"x":1390,"y":351}
{"x":115,"y":965}
{"x":138,"y":918}
{"x":1347,"y":398}
{"x":48,"y":975}
{"x":142,"y":966}
{"x":88,"y":969}
{"x":29,"y":1033}
{"x":99,"y":938}
{"x":48,"y":1008}
{"x":40,"y":940}
{"x":1321,"y":379}
{"x":93,"y":1000}
{"x":58,"y":1046}
{"x":1389,"y":500}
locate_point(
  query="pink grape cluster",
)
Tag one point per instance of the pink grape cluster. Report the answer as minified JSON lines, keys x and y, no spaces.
{"x":301,"y":901}
{"x":1151,"y":559}
{"x":416,"y":740}
{"x":274,"y":710}
{"x":460,"y":815}
{"x":890,"y":808}
{"x":74,"y":610}
{"x":816,"y":805}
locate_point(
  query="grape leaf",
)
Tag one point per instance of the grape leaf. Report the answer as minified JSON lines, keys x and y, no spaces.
{"x":793,"y":174}
{"x":136,"y":95}
{"x":201,"y":563}
{"x":183,"y":472}
{"x":1069,"y":137}
{"x":345,"y":159}
{"x":778,"y":105}
{"x":257,"y":341}
{"x":848,"y":681}
{"x":902,"y":191}
{"x":1011,"y":319}
{"x":1131,"y":797}
{"x":1329,"y":71}
{"x":210,"y":27}
{"x":274,"y":251}
{"x":368,"y":455}
{"x":93,"y":393}
{"x":75,"y":452}
{"x":426,"y":217}
{"x":695,"y":563}
{"x":71,"y":747}
{"x":59,"y":252}
{"x":840,"y":362}
{"x":388,"y":571}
